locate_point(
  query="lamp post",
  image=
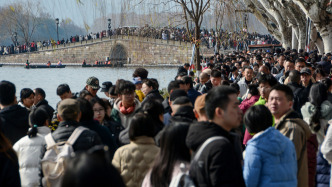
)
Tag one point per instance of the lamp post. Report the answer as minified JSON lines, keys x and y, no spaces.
{"x":57,"y":28}
{"x":109,"y":26}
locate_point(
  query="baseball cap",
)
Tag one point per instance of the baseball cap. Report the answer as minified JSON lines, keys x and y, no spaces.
{"x":106,"y":86}
{"x":93,"y":82}
{"x":68,"y":109}
{"x":200,"y":102}
{"x":137,"y":80}
{"x":305,"y":70}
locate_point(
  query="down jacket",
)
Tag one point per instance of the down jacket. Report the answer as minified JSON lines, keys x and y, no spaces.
{"x":134,"y":160}
{"x":323,"y":171}
{"x":270,"y":160}
{"x":28,"y":152}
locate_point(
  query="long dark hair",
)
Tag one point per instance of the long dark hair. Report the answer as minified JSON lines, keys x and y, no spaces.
{"x":95,"y":100}
{"x":37,"y":118}
{"x":172,"y":149}
{"x":317,"y":95}
{"x":6,"y":147}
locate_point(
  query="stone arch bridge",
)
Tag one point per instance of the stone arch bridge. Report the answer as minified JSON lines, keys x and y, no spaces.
{"x":127,"y":49}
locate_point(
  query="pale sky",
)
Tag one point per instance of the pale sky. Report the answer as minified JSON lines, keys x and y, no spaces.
{"x":79,"y":11}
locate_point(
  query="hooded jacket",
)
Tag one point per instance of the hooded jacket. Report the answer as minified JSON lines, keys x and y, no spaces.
{"x":308,"y":111}
{"x":270,"y":160}
{"x":14,"y":122}
{"x":220,"y":160}
{"x":297,"y":130}
{"x":44,"y":104}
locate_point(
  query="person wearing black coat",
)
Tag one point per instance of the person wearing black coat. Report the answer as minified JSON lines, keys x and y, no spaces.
{"x":323,"y":171}
{"x":150,"y":90}
{"x":39,"y":101}
{"x":14,"y":118}
{"x":219,"y":164}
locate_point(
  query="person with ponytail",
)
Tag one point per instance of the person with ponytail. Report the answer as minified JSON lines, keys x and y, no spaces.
{"x":317,"y":111}
{"x":29,"y":148}
{"x":134,"y":160}
{"x":9,"y":169}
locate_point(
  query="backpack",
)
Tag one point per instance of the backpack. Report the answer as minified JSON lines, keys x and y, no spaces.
{"x":54,"y":161}
{"x":197,"y":164}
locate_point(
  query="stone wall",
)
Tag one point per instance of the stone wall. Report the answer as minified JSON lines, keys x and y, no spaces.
{"x":133,"y":50}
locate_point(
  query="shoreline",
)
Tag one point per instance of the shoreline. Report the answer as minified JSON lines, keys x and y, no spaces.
{"x":80,"y":65}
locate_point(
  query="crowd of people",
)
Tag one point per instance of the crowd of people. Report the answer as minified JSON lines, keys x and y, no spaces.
{"x":249,"y":119}
{"x":236,"y":40}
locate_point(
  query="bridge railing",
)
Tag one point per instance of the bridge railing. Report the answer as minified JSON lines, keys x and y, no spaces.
{"x":114,"y":37}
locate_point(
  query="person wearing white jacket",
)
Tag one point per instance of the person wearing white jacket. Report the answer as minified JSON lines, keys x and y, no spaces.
{"x":29,"y":148}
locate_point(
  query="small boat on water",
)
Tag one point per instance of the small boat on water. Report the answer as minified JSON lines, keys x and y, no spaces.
{"x":102,"y":65}
{"x":1,"y":65}
{"x":44,"y":66}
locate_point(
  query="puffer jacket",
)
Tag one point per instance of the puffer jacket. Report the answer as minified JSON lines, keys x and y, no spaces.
{"x":14,"y":122}
{"x":308,"y":111}
{"x":326,"y":147}
{"x":297,"y":130}
{"x":28,"y":151}
{"x":270,"y":160}
{"x":135,"y":159}
{"x":323,"y":172}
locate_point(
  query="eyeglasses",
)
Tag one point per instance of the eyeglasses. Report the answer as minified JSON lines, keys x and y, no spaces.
{"x":98,"y":110}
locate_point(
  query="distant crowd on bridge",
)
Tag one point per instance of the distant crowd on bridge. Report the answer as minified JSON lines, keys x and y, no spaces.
{"x":223,"y":40}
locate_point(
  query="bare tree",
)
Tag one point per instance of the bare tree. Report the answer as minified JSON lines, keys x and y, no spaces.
{"x":21,"y":17}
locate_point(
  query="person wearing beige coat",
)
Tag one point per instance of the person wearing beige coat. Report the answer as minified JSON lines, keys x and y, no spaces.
{"x":134,"y":160}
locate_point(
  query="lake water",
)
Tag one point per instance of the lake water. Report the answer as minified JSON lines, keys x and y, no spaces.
{"x":75,"y":77}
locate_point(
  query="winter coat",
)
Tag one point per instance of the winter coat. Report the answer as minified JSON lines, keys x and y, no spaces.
{"x":28,"y":151}
{"x":297,"y":130}
{"x":221,"y":159}
{"x":44,"y":104}
{"x":134,"y":160}
{"x":86,"y":140}
{"x":193,"y":94}
{"x":123,"y":119}
{"x":154,"y":94}
{"x":247,"y":103}
{"x":9,"y":170}
{"x":184,"y":115}
{"x":323,"y":171}
{"x":300,"y":96}
{"x":270,"y":160}
{"x":106,"y":137}
{"x":312,"y":148}
{"x":326,"y":147}
{"x":206,"y":87}
{"x":308,"y":111}
{"x":243,"y":87}
{"x":14,"y":122}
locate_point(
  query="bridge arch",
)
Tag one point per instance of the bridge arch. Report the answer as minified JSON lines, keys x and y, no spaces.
{"x":119,"y":53}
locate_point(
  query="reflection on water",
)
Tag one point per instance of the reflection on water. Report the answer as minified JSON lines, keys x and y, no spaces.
{"x":75,"y":77}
